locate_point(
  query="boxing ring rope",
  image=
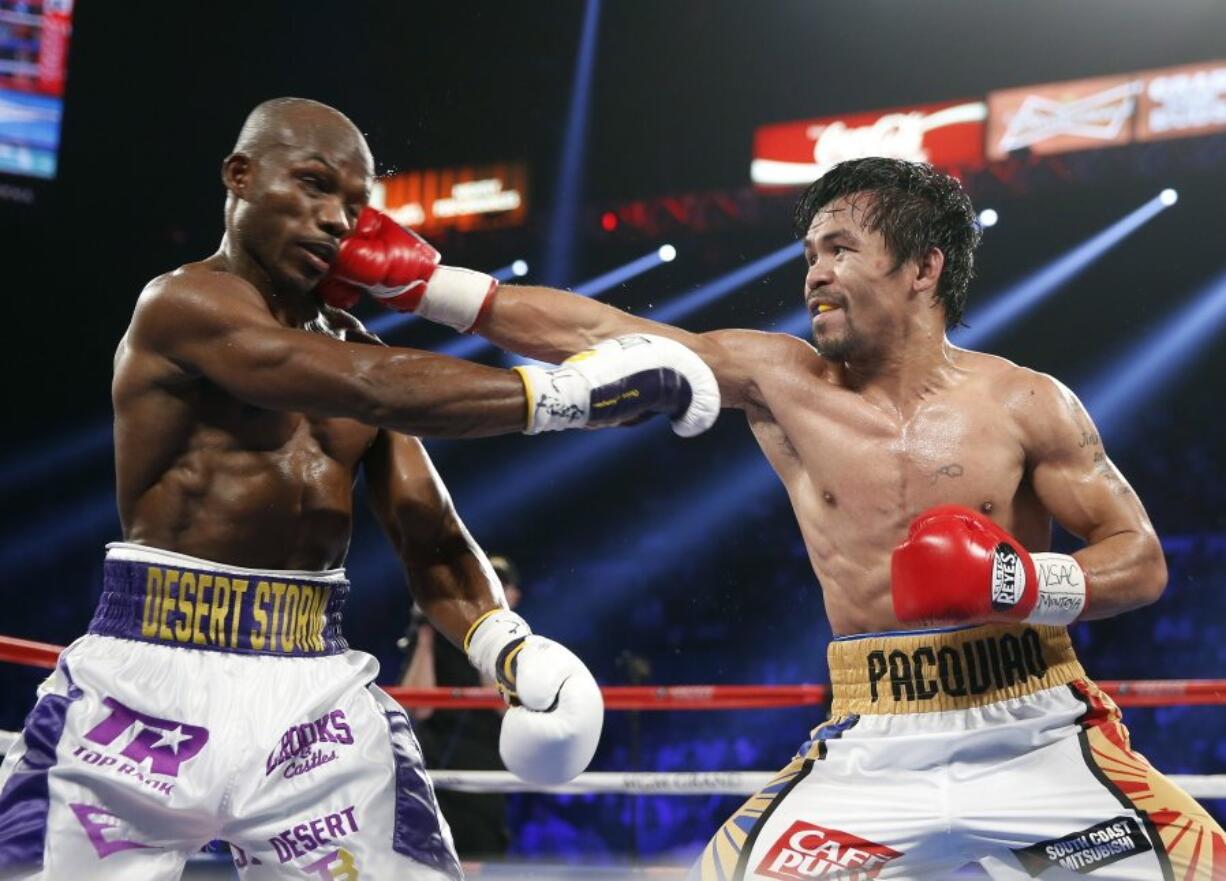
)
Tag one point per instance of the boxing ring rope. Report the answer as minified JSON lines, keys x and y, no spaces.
{"x":1126,"y":693}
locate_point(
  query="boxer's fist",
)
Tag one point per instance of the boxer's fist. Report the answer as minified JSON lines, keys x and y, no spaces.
{"x":623,"y":380}
{"x":957,"y":566}
{"x":401,"y":270}
{"x":550,"y":732}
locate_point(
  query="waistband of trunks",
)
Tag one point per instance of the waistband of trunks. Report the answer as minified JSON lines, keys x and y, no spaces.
{"x":173,"y":599}
{"x":928,"y":671}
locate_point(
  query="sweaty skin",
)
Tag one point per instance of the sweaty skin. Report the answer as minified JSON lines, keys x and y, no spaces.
{"x":892,"y":421}
{"x":244,"y":409}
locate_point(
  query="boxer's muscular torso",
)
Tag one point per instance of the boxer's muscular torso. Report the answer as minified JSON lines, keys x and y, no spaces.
{"x":858,"y":469}
{"x":203,"y":473}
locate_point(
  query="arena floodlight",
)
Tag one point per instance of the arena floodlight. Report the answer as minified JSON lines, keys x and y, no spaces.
{"x":568,"y":189}
{"x":680,"y":307}
{"x":988,"y":217}
{"x":667,"y":253}
{"x":519,"y":268}
{"x":1169,"y":196}
{"x":1152,"y":362}
{"x":1019,"y":298}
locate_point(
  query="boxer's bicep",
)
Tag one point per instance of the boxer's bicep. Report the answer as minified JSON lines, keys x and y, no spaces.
{"x":220,"y":333}
{"x":1079,"y":485}
{"x":1072,"y":475}
{"x":217,"y":330}
{"x":448,"y":573}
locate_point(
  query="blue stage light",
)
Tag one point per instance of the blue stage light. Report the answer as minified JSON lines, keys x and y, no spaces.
{"x":1023,"y":296}
{"x":1151,"y":363}
{"x":568,"y":190}
{"x":63,"y":455}
{"x":682,"y":306}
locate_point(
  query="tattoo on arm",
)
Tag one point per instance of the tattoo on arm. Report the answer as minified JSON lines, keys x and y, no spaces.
{"x":1106,"y":470}
{"x":953,"y":469}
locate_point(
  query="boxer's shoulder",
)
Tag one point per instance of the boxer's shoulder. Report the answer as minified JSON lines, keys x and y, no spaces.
{"x":770,"y":356}
{"x":1011,"y":384}
{"x":192,"y":288}
{"x":195,"y":299}
{"x":756,"y":369}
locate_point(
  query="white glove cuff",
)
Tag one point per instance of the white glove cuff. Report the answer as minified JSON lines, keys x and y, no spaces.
{"x":558,"y":398}
{"x":1062,"y":590}
{"x":456,"y":297}
{"x":487,"y":637}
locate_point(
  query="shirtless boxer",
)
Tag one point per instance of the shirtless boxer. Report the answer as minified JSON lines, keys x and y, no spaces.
{"x":925,"y":479}
{"x":214,"y":696}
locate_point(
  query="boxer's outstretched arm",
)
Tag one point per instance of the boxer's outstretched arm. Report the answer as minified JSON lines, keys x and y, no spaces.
{"x":449,"y":575}
{"x":1086,"y":494}
{"x":551,"y":325}
{"x":215,"y":325}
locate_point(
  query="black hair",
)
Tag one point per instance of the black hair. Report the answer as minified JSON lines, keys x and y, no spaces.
{"x":915,"y":208}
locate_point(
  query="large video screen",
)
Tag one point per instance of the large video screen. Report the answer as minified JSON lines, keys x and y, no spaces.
{"x":34,"y":37}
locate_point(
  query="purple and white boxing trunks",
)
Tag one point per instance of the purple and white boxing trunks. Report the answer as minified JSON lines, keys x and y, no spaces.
{"x":214,"y":702}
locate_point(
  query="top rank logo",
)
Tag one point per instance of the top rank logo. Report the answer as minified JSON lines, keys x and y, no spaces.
{"x":809,"y":851}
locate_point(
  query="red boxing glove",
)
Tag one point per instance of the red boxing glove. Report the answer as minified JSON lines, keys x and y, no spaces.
{"x":957,"y":566}
{"x":402,"y":271}
{"x":382,"y":259}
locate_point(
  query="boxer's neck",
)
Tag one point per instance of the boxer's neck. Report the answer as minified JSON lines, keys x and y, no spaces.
{"x":901,"y":366}
{"x":291,"y":308}
{"x":901,"y":377}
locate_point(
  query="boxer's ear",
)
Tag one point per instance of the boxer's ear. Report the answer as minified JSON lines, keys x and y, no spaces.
{"x":928,"y":271}
{"x":236,"y":171}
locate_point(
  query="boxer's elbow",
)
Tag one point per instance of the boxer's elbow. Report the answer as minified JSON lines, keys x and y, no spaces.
{"x":1151,"y":575}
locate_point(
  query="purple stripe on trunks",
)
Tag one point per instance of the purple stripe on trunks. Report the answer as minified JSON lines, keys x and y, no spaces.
{"x":26,"y":799}
{"x":417,"y":832}
{"x":274,"y":613}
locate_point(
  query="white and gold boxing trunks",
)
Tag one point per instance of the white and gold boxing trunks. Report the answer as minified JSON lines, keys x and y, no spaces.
{"x":966,"y":745}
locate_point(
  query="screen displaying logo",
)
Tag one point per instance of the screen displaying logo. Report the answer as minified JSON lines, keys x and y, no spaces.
{"x":467,"y":198}
{"x":33,"y":67}
{"x":797,"y":153}
{"x":1183,"y":101}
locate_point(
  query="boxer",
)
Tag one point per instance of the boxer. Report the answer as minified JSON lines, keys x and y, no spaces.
{"x":925,"y":479}
{"x":215,"y":696}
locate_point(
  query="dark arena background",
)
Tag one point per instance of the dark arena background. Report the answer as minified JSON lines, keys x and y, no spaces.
{"x":647,"y":152}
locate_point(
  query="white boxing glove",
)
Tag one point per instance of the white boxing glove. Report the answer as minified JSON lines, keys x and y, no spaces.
{"x":550,"y":732}
{"x":623,"y":380}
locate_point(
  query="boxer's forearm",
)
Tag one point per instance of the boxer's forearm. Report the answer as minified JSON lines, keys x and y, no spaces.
{"x":443,"y":398}
{"x":1123,"y":572}
{"x":551,"y":325}
{"x":454,"y":586}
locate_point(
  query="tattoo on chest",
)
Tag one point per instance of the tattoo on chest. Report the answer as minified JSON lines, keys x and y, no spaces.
{"x":953,"y":469}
